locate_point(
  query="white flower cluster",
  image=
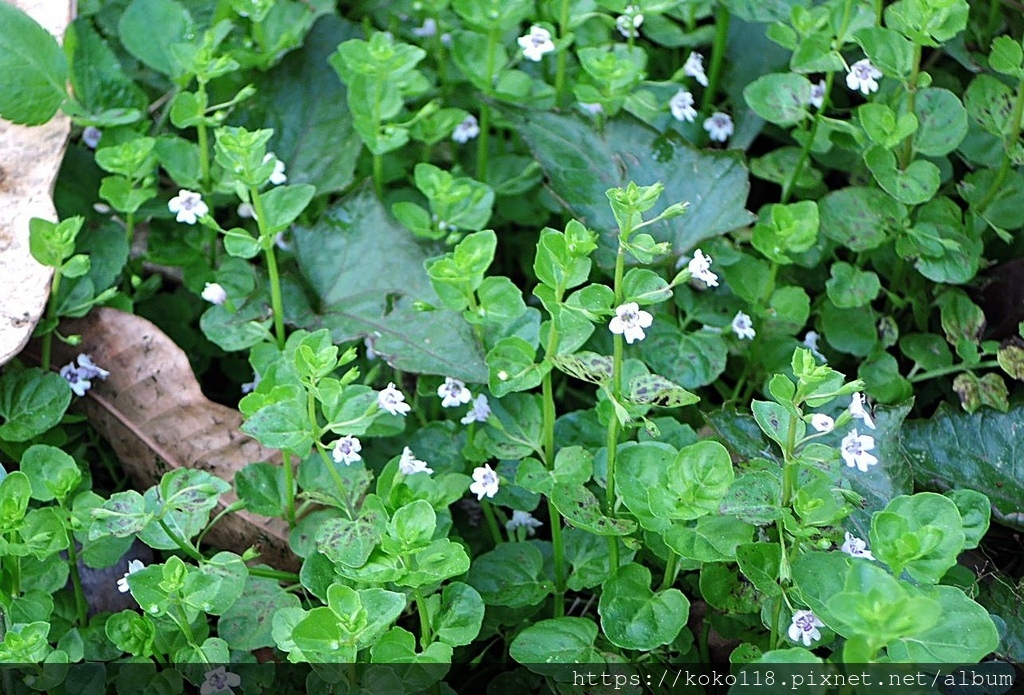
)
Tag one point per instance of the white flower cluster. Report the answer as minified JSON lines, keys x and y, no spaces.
{"x":80,"y":377}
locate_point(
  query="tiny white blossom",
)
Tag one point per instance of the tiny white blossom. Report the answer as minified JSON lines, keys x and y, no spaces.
{"x":630,"y":321}
{"x":79,"y":384}
{"x":592,"y":108}
{"x":220,"y":680}
{"x":817,"y":94}
{"x":681,"y":106}
{"x":536,"y":43}
{"x":281,"y":242}
{"x":188,"y":206}
{"x":502,"y":375}
{"x":409,"y":464}
{"x":428,"y":29}
{"x":855,"y":547}
{"x":214,"y":293}
{"x":346,"y":450}
{"x":393,"y":401}
{"x":467,"y":130}
{"x":246,"y":211}
{"x":805,"y":628}
{"x":250,"y":386}
{"x":719,"y":126}
{"x":89,"y":369}
{"x":453,"y":393}
{"x":855,"y":448}
{"x":859,"y":410}
{"x":91,"y":136}
{"x":811,"y":343}
{"x":485,"y":482}
{"x":133,"y":567}
{"x":629,"y":22}
{"x":700,"y":268}
{"x":743,"y":327}
{"x":822,"y":422}
{"x":479,"y":412}
{"x":278,"y":176}
{"x":694,"y":67}
{"x":101,"y":208}
{"x":523,"y":520}
{"x":863,"y":76}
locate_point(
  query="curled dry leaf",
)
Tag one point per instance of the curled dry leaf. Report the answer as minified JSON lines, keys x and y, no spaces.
{"x":30,"y":157}
{"x":153,"y":413}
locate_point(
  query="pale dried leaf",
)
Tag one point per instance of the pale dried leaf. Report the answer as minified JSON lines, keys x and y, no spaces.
{"x":29,"y":160}
{"x":157,"y":419}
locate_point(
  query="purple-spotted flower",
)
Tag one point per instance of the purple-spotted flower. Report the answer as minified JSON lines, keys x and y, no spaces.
{"x":630,"y":321}
{"x":393,"y":401}
{"x":485,"y":482}
{"x":453,"y":393}
{"x":855,"y":448}
{"x":346,"y":450}
{"x":188,"y":206}
{"x":805,"y":628}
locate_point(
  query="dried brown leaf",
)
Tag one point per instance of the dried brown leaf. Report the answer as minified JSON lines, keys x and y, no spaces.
{"x":157,"y":419}
{"x":29,"y":160}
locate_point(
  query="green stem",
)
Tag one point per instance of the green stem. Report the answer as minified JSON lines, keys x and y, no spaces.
{"x":548,"y":404}
{"x":204,"y":145}
{"x":129,"y":229}
{"x":670,"y":570}
{"x":237,"y":505}
{"x":81,"y":607}
{"x":492,"y":522}
{"x":338,"y":482}
{"x":289,"y":488}
{"x":181,"y":543}
{"x":717,"y":56}
{"x":483,"y":141}
{"x":278,"y":575}
{"x":612,"y":442}
{"x":267,"y":242}
{"x":378,"y":175}
{"x":952,"y":369}
{"x":563,"y":54}
{"x":1004,"y":169}
{"x":425,"y":633}
{"x":51,"y":316}
{"x":907,"y":153}
{"x":805,"y":150}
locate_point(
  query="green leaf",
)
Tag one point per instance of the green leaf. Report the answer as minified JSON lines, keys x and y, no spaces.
{"x":510,"y":575}
{"x":581,"y":166}
{"x":375,"y":295}
{"x":15,"y":491}
{"x":31,"y":402}
{"x":982,"y":451}
{"x":887,"y":49}
{"x":283,"y":204}
{"x":546,"y":646}
{"x":914,"y":185}
{"x":634,"y":617}
{"x":33,"y":70}
{"x":754,"y":498}
{"x":851,"y":287}
{"x":1007,"y":57}
{"x":456,"y":620}
{"x":122,"y":515}
{"x":97,"y":77}
{"x":779,"y":98}
{"x":261,"y":487}
{"x":581,"y":508}
{"x":52,"y":473}
{"x":860,"y":218}
{"x":990,"y":103}
{"x":247,"y":624}
{"x":710,"y":539}
{"x":942,"y":122}
{"x":691,"y":360}
{"x":153,"y":48}
{"x":965,"y":632}
{"x":651,"y":389}
{"x":922,"y":534}
{"x":281,"y":425}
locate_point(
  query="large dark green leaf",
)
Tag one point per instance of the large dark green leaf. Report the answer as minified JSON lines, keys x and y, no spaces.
{"x":368,"y":272}
{"x":982,"y":451}
{"x":581,"y":165}
{"x":303,"y":100}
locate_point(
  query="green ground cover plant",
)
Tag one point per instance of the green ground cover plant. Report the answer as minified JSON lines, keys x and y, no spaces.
{"x":580,"y":332}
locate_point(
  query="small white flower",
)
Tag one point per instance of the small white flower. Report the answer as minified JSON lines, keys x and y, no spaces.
{"x":453,"y":393}
{"x":859,"y":410}
{"x":805,"y":628}
{"x":188,"y":206}
{"x":409,"y":464}
{"x":630,"y":321}
{"x":863,"y":76}
{"x":855,"y":448}
{"x":719,"y":126}
{"x":277,"y":177}
{"x":101,"y":208}
{"x":89,"y":369}
{"x":523,"y":520}
{"x":479,"y":412}
{"x":502,"y":375}
{"x":536,"y":43}
{"x":133,"y":567}
{"x":681,"y":106}
{"x":428,"y":29}
{"x":817,"y":94}
{"x":855,"y":547}
{"x":467,"y":130}
{"x":346,"y":450}
{"x":220,"y":680}
{"x":393,"y":401}
{"x":485,"y":482}
{"x":250,"y":386}
{"x":743,"y":327}
{"x":811,"y":343}
{"x":592,"y":109}
{"x":700,"y":268}
{"x":91,"y":136}
{"x":629,"y":22}
{"x":246,"y":211}
{"x":822,"y":422}
{"x":694,"y":67}
{"x":214,"y":293}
